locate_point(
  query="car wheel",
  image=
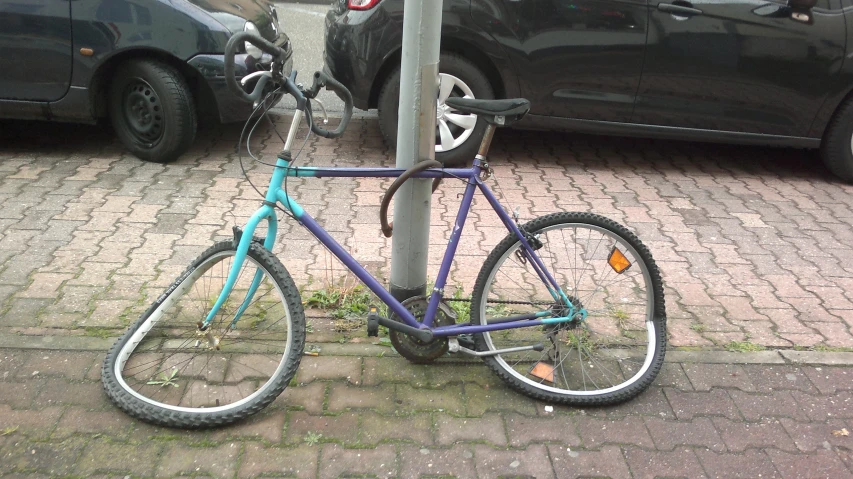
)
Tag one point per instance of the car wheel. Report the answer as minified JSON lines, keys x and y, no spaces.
{"x":457,"y":135}
{"x":152,"y":110}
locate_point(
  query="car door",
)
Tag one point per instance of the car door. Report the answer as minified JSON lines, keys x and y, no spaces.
{"x":574,"y":58}
{"x":738,"y":65}
{"x":35,"y":49}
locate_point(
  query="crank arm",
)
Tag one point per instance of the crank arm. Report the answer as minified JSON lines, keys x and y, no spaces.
{"x":454,"y":346}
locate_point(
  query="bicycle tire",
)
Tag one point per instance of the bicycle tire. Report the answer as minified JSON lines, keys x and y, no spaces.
{"x":544,"y":374}
{"x":144,"y":362}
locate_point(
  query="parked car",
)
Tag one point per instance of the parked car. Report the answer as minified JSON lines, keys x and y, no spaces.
{"x":747,"y":71}
{"x":153,"y":67}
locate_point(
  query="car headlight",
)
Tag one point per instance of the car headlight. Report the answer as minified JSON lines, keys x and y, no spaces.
{"x":252,"y":50}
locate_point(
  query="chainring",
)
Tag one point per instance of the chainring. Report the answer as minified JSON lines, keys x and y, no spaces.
{"x":413,"y":349}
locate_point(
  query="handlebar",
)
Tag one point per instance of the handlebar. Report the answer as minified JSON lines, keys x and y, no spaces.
{"x":231,"y":50}
{"x":302,"y":97}
{"x":323,"y":80}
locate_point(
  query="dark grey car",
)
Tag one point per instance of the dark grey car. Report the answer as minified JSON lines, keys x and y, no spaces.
{"x":153,"y":67}
{"x":774,"y":72}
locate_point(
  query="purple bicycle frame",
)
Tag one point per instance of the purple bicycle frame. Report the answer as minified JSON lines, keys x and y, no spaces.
{"x":472,"y":175}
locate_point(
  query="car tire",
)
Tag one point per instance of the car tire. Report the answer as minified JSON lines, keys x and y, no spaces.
{"x":152,"y":110}
{"x":837,"y":147}
{"x":462,"y":75}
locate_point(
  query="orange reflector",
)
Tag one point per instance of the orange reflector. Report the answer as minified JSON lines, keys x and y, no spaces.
{"x":543,"y":371}
{"x":618,"y":261}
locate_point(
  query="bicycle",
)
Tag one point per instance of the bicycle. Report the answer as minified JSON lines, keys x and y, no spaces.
{"x":226,"y":338}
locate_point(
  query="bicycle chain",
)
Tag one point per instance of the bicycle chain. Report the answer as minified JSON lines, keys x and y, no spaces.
{"x":468,"y":300}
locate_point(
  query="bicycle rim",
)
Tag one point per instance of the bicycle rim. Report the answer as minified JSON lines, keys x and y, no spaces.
{"x":170,"y":363}
{"x":611,"y":349}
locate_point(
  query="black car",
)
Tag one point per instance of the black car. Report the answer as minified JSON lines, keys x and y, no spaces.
{"x":739,"y":71}
{"x":153,"y":67}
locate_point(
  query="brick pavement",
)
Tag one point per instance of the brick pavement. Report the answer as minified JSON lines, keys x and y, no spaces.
{"x":751,"y":243}
{"x":383,"y":417}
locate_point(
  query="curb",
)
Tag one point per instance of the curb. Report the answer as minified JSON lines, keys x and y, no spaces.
{"x":86,"y":343}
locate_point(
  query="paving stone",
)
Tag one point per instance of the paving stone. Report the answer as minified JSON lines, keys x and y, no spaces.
{"x":819,"y":464}
{"x":489,"y":428}
{"x":739,"y":436}
{"x":597,"y":432}
{"x":652,"y":464}
{"x":751,"y":464}
{"x":572,"y":464}
{"x":422,"y":462}
{"x":829,"y":379}
{"x":651,"y":402}
{"x":377,"y":428}
{"x":530,"y":462}
{"x":329,"y":367}
{"x":110,"y":422}
{"x":667,"y":435}
{"x":35,"y":424}
{"x":259,"y":461}
{"x":771,"y":378}
{"x":58,"y":391}
{"x":812,"y":436}
{"x":69,"y":365}
{"x":55,"y":458}
{"x":267,"y":425}
{"x":821,"y":408}
{"x":495,"y":399}
{"x":343,"y":397}
{"x":212,"y":461}
{"x":687,"y":405}
{"x":672,"y":375}
{"x":19,"y":395}
{"x":343,"y":428}
{"x":778,"y":404}
{"x":309,"y":397}
{"x":707,"y":376}
{"x":100,"y":455}
{"x":335,"y":461}
{"x":556,"y":428}
{"x":449,"y":400}
{"x":380,"y":370}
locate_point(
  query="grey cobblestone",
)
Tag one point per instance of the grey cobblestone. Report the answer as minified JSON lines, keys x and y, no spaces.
{"x":751,"y":244}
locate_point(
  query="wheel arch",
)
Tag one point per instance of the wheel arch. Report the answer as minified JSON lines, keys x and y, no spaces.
{"x":454,"y":45}
{"x":203,"y":96}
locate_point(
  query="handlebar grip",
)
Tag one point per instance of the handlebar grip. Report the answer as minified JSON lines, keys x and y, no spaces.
{"x":231,"y":50}
{"x":321,"y":80}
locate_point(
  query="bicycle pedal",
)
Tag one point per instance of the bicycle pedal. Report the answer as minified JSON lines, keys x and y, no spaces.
{"x":466,"y":341}
{"x":373,"y":322}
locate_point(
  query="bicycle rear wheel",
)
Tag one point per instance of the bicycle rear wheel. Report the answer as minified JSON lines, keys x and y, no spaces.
{"x":167,"y":370}
{"x":609,"y":356}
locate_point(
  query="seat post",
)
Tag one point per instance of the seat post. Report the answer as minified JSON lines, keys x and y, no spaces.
{"x":487,"y":141}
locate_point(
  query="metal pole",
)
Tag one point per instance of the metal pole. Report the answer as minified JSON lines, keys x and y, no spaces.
{"x":415,"y":142}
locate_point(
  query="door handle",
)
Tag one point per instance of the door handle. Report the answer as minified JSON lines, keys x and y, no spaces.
{"x":679,"y":7}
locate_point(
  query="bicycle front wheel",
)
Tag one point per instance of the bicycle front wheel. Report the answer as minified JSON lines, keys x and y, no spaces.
{"x":169,"y":369}
{"x":614,"y":347}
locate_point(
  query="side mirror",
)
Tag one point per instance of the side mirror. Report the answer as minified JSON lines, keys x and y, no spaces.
{"x":802,"y":4}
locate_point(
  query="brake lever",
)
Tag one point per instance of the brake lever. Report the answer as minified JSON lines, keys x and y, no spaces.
{"x":322,"y":107}
{"x":251,"y":76}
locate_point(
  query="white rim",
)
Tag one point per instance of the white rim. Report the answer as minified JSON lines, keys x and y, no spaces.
{"x":650,"y":327}
{"x":446,"y":116}
{"x":157,"y":314}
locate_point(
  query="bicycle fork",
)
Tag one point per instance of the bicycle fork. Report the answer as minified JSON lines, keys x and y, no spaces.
{"x":243,"y":239}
